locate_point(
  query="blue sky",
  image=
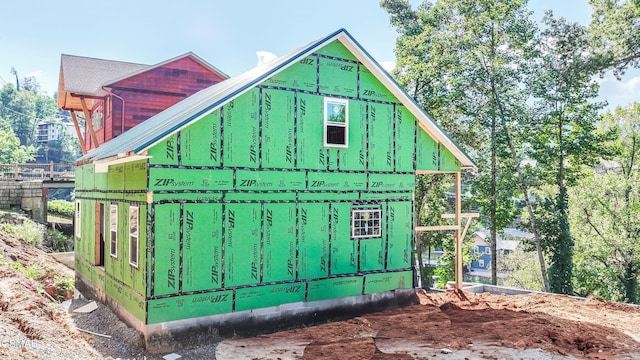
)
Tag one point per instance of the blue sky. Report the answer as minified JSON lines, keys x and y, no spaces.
{"x":227,"y":34}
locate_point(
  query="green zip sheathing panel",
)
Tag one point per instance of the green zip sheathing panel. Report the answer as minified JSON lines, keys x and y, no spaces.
{"x":269,"y":295}
{"x":277,"y":129}
{"x":165,"y":152}
{"x":386,"y":196}
{"x":172,"y":179}
{"x":310,"y":151}
{"x":300,"y":76}
{"x":79,"y":177}
{"x":201,"y":247}
{"x":200,"y":142}
{"x":135,"y":175}
{"x":354,"y":158}
{"x":372,"y":89}
{"x":343,"y":250}
{"x":392,"y":182}
{"x":136,"y":277}
{"x":336,"y":49}
{"x":372,"y":251}
{"x":166,"y":272}
{"x":405,"y":139}
{"x":381,"y":137}
{"x":242,"y":244}
{"x":135,"y":303}
{"x":89,"y":177}
{"x":338,"y":77}
{"x":313,"y":240}
{"x":101,"y":181}
{"x":336,"y":181}
{"x":328,"y":196}
{"x":269,"y":180}
{"x":208,"y":197}
{"x":400,"y":234}
{"x":241,"y":133}
{"x":114,"y":289}
{"x":375,"y":283}
{"x":189,"y":306}
{"x":334,"y":288}
{"x":98,"y":277}
{"x":253,"y":197}
{"x":448,"y":162}
{"x":279,"y":242}
{"x":115,"y":180}
{"x":427,"y":155}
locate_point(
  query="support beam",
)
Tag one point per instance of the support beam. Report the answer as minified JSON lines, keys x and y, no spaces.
{"x":88,"y":122}
{"x":462,"y":215}
{"x":458,"y":237}
{"x":78,"y":132}
{"x":436,"y":228}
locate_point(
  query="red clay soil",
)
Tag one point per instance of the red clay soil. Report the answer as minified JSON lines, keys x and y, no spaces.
{"x":473,"y":326}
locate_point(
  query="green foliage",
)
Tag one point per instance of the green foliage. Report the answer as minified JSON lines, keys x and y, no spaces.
{"x":522,"y":269}
{"x":28,"y":231}
{"x":61,"y":207}
{"x":11,"y":152}
{"x":606,"y":217}
{"x":56,"y":241}
{"x":616,"y":33}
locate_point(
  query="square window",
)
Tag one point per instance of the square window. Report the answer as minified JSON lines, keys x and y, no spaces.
{"x":366,"y":223}
{"x":336,"y":122}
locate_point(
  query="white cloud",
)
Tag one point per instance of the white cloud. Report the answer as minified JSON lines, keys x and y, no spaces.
{"x":388,"y":65}
{"x":265,"y":57}
{"x":631,"y":86}
{"x":620,"y":93}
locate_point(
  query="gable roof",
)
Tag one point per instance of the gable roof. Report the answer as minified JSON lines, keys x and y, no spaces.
{"x":142,"y":137}
{"x":81,"y":75}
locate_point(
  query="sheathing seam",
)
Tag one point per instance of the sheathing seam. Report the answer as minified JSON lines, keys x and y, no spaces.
{"x":262,"y":169}
{"x":181,"y":242}
{"x":222,"y":136}
{"x":337,"y":58}
{"x":302,"y":281}
{"x":329,"y":241}
{"x":259,"y":129}
{"x":395,"y":154}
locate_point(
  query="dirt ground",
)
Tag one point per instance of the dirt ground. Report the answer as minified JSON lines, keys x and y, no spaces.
{"x":442,"y":326}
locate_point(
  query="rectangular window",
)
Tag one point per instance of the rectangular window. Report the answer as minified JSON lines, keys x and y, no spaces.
{"x":134,"y":224}
{"x":366,"y":223}
{"x":77,"y":219}
{"x":487,"y":250}
{"x":481,"y":263}
{"x":113,"y":230}
{"x":336,"y":122}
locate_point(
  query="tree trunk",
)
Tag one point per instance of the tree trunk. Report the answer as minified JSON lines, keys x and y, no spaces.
{"x":494,"y":204}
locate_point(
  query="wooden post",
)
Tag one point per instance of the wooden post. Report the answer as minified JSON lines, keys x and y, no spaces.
{"x":88,"y":122}
{"x":458,"y":235}
{"x":80,"y":138}
{"x":51,"y":170}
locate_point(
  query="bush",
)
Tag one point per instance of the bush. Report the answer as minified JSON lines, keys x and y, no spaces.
{"x":29,"y":231}
{"x":61,"y":208}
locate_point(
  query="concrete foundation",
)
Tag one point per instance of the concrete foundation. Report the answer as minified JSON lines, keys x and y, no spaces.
{"x":189,"y":333}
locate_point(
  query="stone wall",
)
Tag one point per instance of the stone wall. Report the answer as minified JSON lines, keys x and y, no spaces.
{"x":25,"y":195}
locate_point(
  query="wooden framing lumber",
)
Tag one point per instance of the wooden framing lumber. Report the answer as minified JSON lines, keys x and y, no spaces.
{"x":436,"y":228}
{"x":88,"y":122}
{"x":78,"y":132}
{"x":458,"y":237}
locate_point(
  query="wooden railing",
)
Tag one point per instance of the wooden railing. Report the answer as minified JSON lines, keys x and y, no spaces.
{"x":51,"y":171}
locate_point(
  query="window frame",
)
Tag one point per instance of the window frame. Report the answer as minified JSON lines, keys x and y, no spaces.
{"x":113,"y":232}
{"x":372,"y":210}
{"x":135,"y":235}
{"x":336,"y":124}
{"x":481,"y":263}
{"x":78,"y":219}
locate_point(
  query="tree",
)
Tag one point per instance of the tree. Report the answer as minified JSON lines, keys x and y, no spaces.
{"x":606,"y":217}
{"x":461,"y":60}
{"x":11,"y":152}
{"x":563,"y":135}
{"x":616,"y":33}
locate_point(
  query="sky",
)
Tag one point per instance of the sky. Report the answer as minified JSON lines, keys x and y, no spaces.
{"x":230,"y":35}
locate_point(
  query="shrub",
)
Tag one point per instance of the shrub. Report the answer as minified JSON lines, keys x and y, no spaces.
{"x":61,"y":208}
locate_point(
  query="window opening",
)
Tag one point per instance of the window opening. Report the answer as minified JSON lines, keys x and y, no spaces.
{"x":133,"y":236}
{"x":336,"y":122}
{"x":366,"y":223}
{"x":113,"y":227}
